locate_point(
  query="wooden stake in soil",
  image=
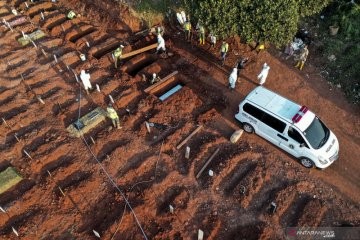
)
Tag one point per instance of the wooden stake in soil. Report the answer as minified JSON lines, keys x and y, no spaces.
{"x":43,"y":52}
{"x":111,"y":99}
{"x":27,"y":6}
{"x":42,"y":16}
{"x":200,"y":235}
{"x":61,"y":191}
{"x":49,"y":173}
{"x":3,"y":210}
{"x":40,"y":100}
{"x":27,"y":154}
{"x":17,"y":139}
{"x":171,"y":208}
{"x":60,"y":109}
{"x":98,"y":87}
{"x":190,"y":136}
{"x":207,"y":162}
{"x":96,"y":233}
{"x":93,"y":141}
{"x":62,"y":27}
{"x":16,"y":233}
{"x":55,"y":58}
{"x":33,"y":43}
{"x":147,"y":126}
{"x":187,"y":152}
{"x":88,"y":44}
{"x":6,"y":123}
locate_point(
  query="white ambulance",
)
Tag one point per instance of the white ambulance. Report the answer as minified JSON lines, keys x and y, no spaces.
{"x":292,"y":127}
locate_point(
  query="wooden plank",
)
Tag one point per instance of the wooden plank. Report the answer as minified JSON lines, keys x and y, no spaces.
{"x":147,"y":90}
{"x":207,"y":163}
{"x":188,"y":137}
{"x":141,"y":50}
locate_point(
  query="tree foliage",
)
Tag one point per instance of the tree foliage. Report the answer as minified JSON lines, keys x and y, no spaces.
{"x":261,"y":20}
{"x":267,"y":20}
{"x":219,"y":16}
{"x":310,"y":7}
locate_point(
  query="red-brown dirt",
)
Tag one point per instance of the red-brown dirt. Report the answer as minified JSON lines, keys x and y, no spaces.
{"x":147,"y":167}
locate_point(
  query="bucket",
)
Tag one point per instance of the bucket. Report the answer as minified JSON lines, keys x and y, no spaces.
{"x":82,"y":57}
{"x":333,"y":30}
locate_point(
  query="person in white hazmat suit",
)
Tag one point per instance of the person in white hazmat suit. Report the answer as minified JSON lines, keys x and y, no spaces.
{"x":263,"y":74}
{"x":160,"y":44}
{"x":233,"y":78}
{"x":85,"y":78}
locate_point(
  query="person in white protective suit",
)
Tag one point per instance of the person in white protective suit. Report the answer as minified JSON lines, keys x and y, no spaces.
{"x":160,"y":44}
{"x":85,"y":78}
{"x":233,"y":78}
{"x":263,"y":74}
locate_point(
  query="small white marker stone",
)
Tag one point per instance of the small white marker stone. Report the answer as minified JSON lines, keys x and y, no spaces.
{"x":200,"y":235}
{"x":211,"y":173}
{"x":98,"y":87}
{"x":96,"y":233}
{"x":171,"y":208}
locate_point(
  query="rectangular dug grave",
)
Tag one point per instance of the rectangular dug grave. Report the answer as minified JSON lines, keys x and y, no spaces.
{"x":8,"y":179}
{"x":166,"y":87}
{"x":87,"y":122}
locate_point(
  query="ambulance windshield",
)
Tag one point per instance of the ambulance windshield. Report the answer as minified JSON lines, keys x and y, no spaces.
{"x":317,"y":133}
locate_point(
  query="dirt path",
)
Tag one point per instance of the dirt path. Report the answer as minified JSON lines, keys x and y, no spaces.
{"x":306,"y":87}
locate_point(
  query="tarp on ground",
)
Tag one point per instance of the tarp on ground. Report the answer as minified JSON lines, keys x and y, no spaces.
{"x":8,"y":178}
{"x":32,"y":36}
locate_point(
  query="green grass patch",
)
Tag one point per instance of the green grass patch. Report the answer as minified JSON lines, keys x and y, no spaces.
{"x":8,"y":178}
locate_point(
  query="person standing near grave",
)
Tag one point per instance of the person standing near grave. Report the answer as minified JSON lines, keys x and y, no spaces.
{"x":187,"y":30}
{"x":160,"y":44}
{"x":117,"y":54}
{"x":263,"y":74}
{"x":85,"y":78}
{"x":202,"y":34}
{"x":302,"y":58}
{"x":233,"y":78}
{"x":112,"y":114}
{"x":223,"y":51}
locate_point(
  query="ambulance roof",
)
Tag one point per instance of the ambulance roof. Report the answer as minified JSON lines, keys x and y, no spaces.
{"x":279,"y":106}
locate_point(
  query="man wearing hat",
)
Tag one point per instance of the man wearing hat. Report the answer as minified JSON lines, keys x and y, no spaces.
{"x":117,"y":54}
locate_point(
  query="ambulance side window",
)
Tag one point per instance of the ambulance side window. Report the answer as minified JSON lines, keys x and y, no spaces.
{"x":253,"y":111}
{"x":294,"y":134}
{"x":273,"y":123}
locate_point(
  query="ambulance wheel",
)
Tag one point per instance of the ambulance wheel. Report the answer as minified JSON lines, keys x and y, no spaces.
{"x":248,"y":128}
{"x":307,"y":162}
